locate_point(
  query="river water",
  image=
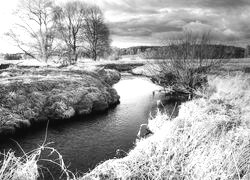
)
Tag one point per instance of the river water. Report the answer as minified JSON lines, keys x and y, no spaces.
{"x":87,"y":141}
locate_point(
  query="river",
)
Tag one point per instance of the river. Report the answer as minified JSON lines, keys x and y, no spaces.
{"x":86,"y":141}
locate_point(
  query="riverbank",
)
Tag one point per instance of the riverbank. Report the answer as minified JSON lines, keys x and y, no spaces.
{"x":85,"y":141}
{"x":209,"y":139}
{"x":30,"y":95}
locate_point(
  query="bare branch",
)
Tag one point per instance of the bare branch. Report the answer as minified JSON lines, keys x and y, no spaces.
{"x":187,"y":61}
{"x":36,"y":22}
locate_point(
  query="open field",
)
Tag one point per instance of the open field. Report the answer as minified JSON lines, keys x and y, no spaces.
{"x":238,"y":64}
{"x":86,"y":64}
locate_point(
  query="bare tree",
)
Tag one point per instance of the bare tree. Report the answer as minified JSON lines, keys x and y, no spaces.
{"x":69,"y":21}
{"x":34,"y":32}
{"x":95,"y":33}
{"x":188,"y":60}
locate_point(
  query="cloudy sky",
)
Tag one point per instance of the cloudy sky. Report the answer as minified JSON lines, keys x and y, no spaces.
{"x":150,"y":22}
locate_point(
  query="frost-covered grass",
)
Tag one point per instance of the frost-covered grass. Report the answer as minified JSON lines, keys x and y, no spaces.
{"x":15,"y":168}
{"x":27,"y":166}
{"x":210,"y":139}
{"x":40,"y":94}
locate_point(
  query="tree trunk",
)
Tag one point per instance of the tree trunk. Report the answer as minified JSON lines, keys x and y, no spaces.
{"x":94,"y":55}
{"x":44,"y":56}
{"x":75,"y":55}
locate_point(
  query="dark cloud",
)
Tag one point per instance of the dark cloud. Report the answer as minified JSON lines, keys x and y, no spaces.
{"x":128,"y":6}
{"x":145,"y":26}
{"x":157,"y":19}
{"x":152,"y":6}
{"x":225,"y":4}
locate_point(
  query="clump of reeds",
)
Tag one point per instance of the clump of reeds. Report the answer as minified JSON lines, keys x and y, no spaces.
{"x":27,"y":167}
{"x":209,"y":139}
{"x":19,"y":168}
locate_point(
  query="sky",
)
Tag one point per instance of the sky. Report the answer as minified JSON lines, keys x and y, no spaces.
{"x":152,"y":22}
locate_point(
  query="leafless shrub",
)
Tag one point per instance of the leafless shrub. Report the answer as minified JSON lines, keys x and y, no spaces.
{"x":188,"y":60}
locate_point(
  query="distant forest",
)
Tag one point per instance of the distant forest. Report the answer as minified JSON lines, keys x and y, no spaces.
{"x":160,"y":52}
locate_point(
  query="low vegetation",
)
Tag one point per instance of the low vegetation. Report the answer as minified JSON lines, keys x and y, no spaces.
{"x":190,"y":58}
{"x":209,"y":139}
{"x":27,"y":166}
{"x":40,"y":94}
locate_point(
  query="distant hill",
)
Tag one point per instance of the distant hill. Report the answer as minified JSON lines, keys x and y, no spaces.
{"x":155,"y":52}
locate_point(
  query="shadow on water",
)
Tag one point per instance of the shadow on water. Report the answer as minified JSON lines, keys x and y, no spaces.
{"x":84,"y":142}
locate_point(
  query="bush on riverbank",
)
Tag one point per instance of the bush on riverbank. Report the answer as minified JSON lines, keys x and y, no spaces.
{"x":39,"y":94}
{"x":209,"y":139}
{"x":190,"y":58}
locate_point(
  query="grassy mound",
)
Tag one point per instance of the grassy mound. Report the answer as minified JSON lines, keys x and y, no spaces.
{"x":40,"y":94}
{"x":210,"y":139}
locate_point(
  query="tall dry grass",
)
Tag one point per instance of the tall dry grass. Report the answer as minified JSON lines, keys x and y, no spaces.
{"x":28,"y":166}
{"x":210,"y":139}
